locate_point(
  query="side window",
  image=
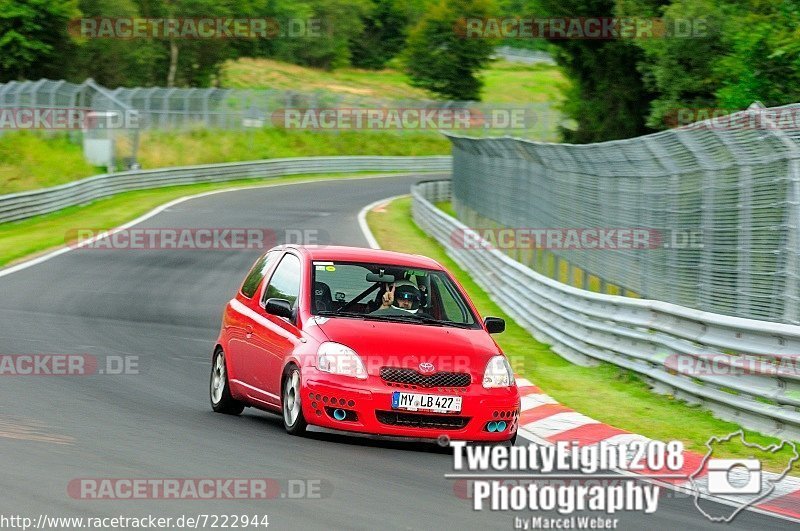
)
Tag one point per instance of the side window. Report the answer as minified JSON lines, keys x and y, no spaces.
{"x":256,"y":274}
{"x":452,"y":308}
{"x":285,"y":282}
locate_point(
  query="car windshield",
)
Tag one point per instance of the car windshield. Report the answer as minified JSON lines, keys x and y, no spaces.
{"x":388,"y":292}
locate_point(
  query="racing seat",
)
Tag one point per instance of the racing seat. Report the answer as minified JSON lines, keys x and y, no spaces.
{"x":323,"y":301}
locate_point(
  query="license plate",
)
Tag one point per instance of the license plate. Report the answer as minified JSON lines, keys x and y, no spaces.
{"x":417,"y":402}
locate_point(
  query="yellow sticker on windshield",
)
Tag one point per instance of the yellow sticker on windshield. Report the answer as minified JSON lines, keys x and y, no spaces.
{"x":330,"y":268}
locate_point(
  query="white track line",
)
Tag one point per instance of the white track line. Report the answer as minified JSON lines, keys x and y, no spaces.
{"x":558,"y":423}
{"x":362,"y":219}
{"x":534,"y":401}
{"x":62,"y":250}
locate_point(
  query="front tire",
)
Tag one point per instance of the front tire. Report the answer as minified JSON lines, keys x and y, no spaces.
{"x":293,"y":419}
{"x":220,"y":391}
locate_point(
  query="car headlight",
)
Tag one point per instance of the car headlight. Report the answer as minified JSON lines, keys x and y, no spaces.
{"x":498,"y":373}
{"x":336,"y":358}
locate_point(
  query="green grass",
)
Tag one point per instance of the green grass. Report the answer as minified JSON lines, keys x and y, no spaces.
{"x":606,"y":393}
{"x":504,"y":82}
{"x":24,"y":238}
{"x":30,"y":160}
{"x":203,"y":146}
{"x":540,"y":87}
{"x":271,"y":74}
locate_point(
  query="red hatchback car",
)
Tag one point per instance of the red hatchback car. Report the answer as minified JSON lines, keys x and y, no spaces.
{"x":366,"y":341}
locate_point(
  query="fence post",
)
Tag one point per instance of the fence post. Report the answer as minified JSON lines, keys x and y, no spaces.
{"x":791,"y":287}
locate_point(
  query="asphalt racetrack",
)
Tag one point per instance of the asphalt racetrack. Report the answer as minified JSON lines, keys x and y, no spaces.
{"x":165,"y":307}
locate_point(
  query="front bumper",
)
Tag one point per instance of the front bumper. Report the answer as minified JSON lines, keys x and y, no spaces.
{"x":368,"y":409}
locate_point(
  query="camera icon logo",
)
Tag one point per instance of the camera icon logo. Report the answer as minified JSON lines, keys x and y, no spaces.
{"x":734,"y":476}
{"x":735,"y":484}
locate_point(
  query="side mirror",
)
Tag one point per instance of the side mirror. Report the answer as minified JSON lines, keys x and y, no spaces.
{"x":494,"y":325}
{"x":279,"y":307}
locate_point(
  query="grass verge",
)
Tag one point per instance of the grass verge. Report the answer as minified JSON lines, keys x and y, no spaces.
{"x":504,"y":82}
{"x":31,"y":160}
{"x":271,"y":74}
{"x":606,"y":393}
{"x":20,"y":239}
{"x":159,"y":149}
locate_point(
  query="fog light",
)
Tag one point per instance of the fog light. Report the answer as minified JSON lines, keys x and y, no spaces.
{"x":492,"y":426}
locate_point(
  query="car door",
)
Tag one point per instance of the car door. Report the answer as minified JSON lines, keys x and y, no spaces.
{"x":274,"y":338}
{"x":241,"y":316}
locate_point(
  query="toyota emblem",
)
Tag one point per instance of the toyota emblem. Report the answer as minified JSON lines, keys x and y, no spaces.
{"x":426,"y":367}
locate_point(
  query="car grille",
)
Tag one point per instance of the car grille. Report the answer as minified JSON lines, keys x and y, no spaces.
{"x":437,"y":379}
{"x":414,"y":420}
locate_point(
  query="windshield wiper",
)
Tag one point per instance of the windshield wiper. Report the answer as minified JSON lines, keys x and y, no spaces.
{"x":368,"y":316}
{"x":431,"y":320}
{"x":325,"y":313}
{"x":416,"y":318}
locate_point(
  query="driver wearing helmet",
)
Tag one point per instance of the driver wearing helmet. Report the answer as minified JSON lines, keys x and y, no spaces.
{"x":402,"y":295}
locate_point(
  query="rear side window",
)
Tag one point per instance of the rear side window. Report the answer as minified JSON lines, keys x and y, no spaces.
{"x":256,"y":274}
{"x":285,"y":282}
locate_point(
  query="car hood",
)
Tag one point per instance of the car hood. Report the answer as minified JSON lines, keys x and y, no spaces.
{"x":391,"y":344}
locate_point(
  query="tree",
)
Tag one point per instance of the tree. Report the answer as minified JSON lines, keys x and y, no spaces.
{"x":190,"y":62}
{"x":341,"y":21}
{"x":762,"y":59}
{"x":440,"y":58}
{"x":608,"y":98}
{"x":34,"y":37}
{"x":114,"y":62}
{"x":677,"y":69}
{"x":746,"y":51}
{"x":384,"y":34}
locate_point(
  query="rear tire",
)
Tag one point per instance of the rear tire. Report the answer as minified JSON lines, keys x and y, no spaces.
{"x":293,"y":419}
{"x":220,"y":391}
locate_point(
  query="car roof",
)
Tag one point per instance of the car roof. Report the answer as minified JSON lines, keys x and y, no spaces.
{"x":362,"y":254}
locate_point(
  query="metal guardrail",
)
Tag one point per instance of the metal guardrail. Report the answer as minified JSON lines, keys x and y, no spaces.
{"x":27,"y":204}
{"x":719,"y":200}
{"x":644,"y":336}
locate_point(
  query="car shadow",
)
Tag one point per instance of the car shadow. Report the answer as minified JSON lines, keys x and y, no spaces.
{"x":274,"y":421}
